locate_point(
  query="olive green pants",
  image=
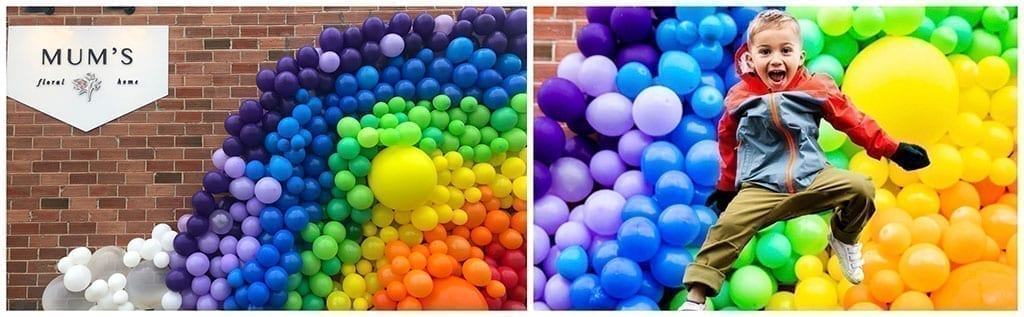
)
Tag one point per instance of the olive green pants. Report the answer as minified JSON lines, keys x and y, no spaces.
{"x":850,"y":194}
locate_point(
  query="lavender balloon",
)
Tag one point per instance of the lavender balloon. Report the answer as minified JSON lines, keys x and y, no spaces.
{"x":632,"y":183}
{"x":610,"y":114}
{"x":247,"y":248}
{"x":572,"y":233}
{"x":219,"y":289}
{"x":551,"y":212}
{"x":556,"y":293}
{"x":606,"y":166}
{"x":242,"y":188}
{"x":541,"y":244}
{"x":631,"y":146}
{"x":220,"y":221}
{"x":539,"y":280}
{"x":599,"y":72}
{"x":197,"y":264}
{"x":392,"y":45}
{"x":657,"y":110}
{"x":570,"y":179}
{"x":267,"y":190}
{"x":604,"y":212}
{"x":329,"y":62}
{"x":251,"y":226}
{"x":208,"y":243}
{"x":444,"y":23}
{"x":201,"y":285}
{"x":569,"y":67}
{"x":229,"y":262}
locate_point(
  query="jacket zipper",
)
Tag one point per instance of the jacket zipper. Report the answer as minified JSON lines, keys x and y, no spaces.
{"x":789,"y":142}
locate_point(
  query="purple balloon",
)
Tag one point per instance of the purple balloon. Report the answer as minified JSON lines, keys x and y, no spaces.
{"x":606,"y":166}
{"x":541,"y":179}
{"x":183,"y":223}
{"x":601,"y":15}
{"x":238,"y":212}
{"x":251,"y":226}
{"x":219,"y":289}
{"x":287,"y":64}
{"x":541,"y":244}
{"x":373,"y":29}
{"x":254,"y":206}
{"x":392,"y":45}
{"x":497,"y":41}
{"x":219,"y":157}
{"x":326,"y":84}
{"x":515,"y":23}
{"x":423,"y":25}
{"x":206,"y":302}
{"x":610,"y":114}
{"x":241,"y":188}
{"x":548,"y":139}
{"x":599,"y":72}
{"x":351,"y":60}
{"x":268,"y":190}
{"x":215,"y":268}
{"x":570,"y":179}
{"x":604,"y":212}
{"x":251,"y":135}
{"x":188,"y":300}
{"x":247,"y":247}
{"x":572,"y":233}
{"x":216,"y":182}
{"x":642,"y":53}
{"x":177,"y":261}
{"x":556,"y":293}
{"x":631,"y":24}
{"x":229,"y":262}
{"x":541,"y":306}
{"x":331,"y":40}
{"x":499,"y":15}
{"x":208,"y":243}
{"x":485,"y":24}
{"x":307,"y":57}
{"x":257,"y":153}
{"x":227,"y":245}
{"x":517,"y":45}
{"x":413,"y":43}
{"x":539,"y":280}
{"x":668,"y":12}
{"x":462,"y":28}
{"x":234,"y":167}
{"x":549,"y":266}
{"x":197,"y":225}
{"x":581,"y":148}
{"x":595,"y":39}
{"x":437,"y":42}
{"x":265,"y":80}
{"x":631,"y":146}
{"x":286,"y":84}
{"x":329,"y":62}
{"x":308,"y":78}
{"x":178,"y":280}
{"x":371,"y":53}
{"x":551,"y":212}
{"x":632,"y":183}
{"x":468,"y":14}
{"x":250,"y":111}
{"x":353,"y":37}
{"x":233,"y":146}
{"x":197,"y":264}
{"x":561,"y":100}
{"x":269,"y":101}
{"x":201,"y":285}
{"x":220,"y":221}
{"x":400,"y":24}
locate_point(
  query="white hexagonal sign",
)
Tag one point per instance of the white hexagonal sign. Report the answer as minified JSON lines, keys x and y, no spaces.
{"x":86,"y":75}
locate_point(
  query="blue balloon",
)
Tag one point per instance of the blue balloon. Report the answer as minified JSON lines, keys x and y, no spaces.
{"x":483,"y":58}
{"x":638,"y":302}
{"x":633,"y":78}
{"x":280,"y":168}
{"x":692,"y":129}
{"x":316,"y":105}
{"x":693,"y":14}
{"x":602,"y":253}
{"x":346,"y":85}
{"x":302,"y":113}
{"x":259,"y":293}
{"x":515,"y":84}
{"x":441,"y":69}
{"x":665,"y":35}
{"x":414,"y":69}
{"x":284,"y":240}
{"x":277,"y":299}
{"x":317,"y":126}
{"x":708,"y":54}
{"x":711,"y":78}
{"x":230,"y":304}
{"x":236,"y":279}
{"x":391,"y":75}
{"x":276,"y":278}
{"x":288,"y":127}
{"x":298,"y":142}
{"x":425,"y":54}
{"x":267,"y":255}
{"x":687,"y":33}
{"x":711,"y":28}
{"x":495,"y":98}
{"x":651,"y":288}
{"x":271,"y":219}
{"x":660,"y":157}
{"x":294,"y":185}
{"x":311,"y":190}
{"x":586,"y":293}
{"x":488,"y":78}
{"x":621,"y":278}
{"x":365,"y":99}
{"x":641,"y":206}
{"x":702,"y":163}
{"x":254,"y":170}
{"x":701,"y":193}
{"x":465,"y":75}
{"x":383,"y":92}
{"x":367,"y":77}
{"x":242,"y":296}
{"x":572,"y":262}
{"x":669,"y":265}
{"x":453,"y":92}
{"x":322,"y":145}
{"x":459,"y":50}
{"x":639,"y":239}
{"x":252,"y":271}
{"x":679,"y":71}
{"x":296,"y":218}
{"x":405,"y":89}
{"x":679,"y":225}
{"x":674,"y":187}
{"x":729,"y":28}
{"x":302,"y":96}
{"x":291,"y":262}
{"x":428,"y":88}
{"x":508,"y":64}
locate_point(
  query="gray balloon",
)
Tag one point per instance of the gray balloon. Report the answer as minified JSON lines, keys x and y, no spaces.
{"x":146,"y":285}
{"x":106,"y":261}
{"x":57,"y":297}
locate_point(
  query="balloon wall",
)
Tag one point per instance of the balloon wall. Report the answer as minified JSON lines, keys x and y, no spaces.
{"x":626,"y":155}
{"x":383,"y":168}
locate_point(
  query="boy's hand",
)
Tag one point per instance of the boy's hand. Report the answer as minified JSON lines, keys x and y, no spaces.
{"x":719,"y":199}
{"x":910,"y":157}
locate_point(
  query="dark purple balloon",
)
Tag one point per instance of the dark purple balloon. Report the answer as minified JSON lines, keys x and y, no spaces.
{"x":203,"y":203}
{"x":287,"y":64}
{"x":548,"y":139}
{"x":308,"y":78}
{"x":437,"y":42}
{"x":485,"y":24}
{"x":515,"y":23}
{"x":226,"y":202}
{"x":581,"y":126}
{"x":351,"y":60}
{"x":601,"y":15}
{"x":497,"y":42}
{"x":269,"y":100}
{"x":581,"y":148}
{"x":257,"y":153}
{"x":371,"y":53}
{"x":643,"y":53}
{"x":400,"y":24}
{"x":251,"y":111}
{"x":413,"y":44}
{"x":233,"y":124}
{"x":561,"y":100}
{"x":185,"y":244}
{"x":307,"y":57}
{"x":326,"y":85}
{"x":462,"y":28}
{"x":353,"y":37}
{"x":265,"y":80}
{"x":518,"y":45}
{"x":665,"y":13}
{"x":216,"y":182}
{"x":595,"y":39}
{"x":233,"y":146}
{"x":499,"y":15}
{"x":605,"y":142}
{"x":373,"y":29}
{"x":178,"y":280}
{"x":331,"y":40}
{"x":270,"y":120}
{"x":286,"y":84}
{"x":198,"y":225}
{"x":631,"y":24}
{"x":541,"y":179}
{"x":468,"y":14}
{"x":423,"y":25}
{"x":251,"y":135}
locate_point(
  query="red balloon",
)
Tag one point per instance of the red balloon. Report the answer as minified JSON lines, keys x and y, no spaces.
{"x":494,"y":250}
{"x":508,"y":277}
{"x":518,"y":294}
{"x":513,"y":305}
{"x":514,"y":259}
{"x":493,"y":303}
{"x":454,"y":293}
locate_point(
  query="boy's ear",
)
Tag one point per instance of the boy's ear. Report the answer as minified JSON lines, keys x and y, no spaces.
{"x":748,"y":63}
{"x":803,"y":56}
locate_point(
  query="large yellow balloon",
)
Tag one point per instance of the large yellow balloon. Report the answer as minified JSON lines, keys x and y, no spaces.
{"x":907,"y":85}
{"x":402,"y":177}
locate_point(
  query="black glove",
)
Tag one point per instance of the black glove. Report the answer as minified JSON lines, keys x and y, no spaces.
{"x":719,"y":199}
{"x":910,"y":157}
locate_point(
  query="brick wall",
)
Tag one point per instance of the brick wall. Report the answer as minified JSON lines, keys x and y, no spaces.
{"x":67,"y":188}
{"x":554,"y":37}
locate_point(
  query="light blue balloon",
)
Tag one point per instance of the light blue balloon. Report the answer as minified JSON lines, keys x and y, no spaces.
{"x":367,"y":77}
{"x":729,"y":29}
{"x":679,"y":71}
{"x":687,"y":32}
{"x":708,"y":54}
{"x":459,"y":50}
{"x":693,"y":14}
{"x":707,"y":102}
{"x":483,"y":58}
{"x":572,"y":262}
{"x":665,"y":35}
{"x":632,"y":79}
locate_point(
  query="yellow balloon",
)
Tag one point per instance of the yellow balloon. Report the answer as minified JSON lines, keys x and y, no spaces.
{"x":455,"y":197}
{"x":513,"y":167}
{"x":459,"y":217}
{"x":977,"y":163}
{"x":918,"y":200}
{"x":444,"y":213}
{"x":440,"y":194}
{"x":444,"y":178}
{"x":472,"y":194}
{"x":519,"y":187}
{"x":1004,"y":106}
{"x":842,"y":287}
{"x":360,"y":304}
{"x":497,"y":158}
{"x":402,"y":177}
{"x":945,"y":169}
{"x":454,"y":160}
{"x":965,"y":68}
{"x":993,"y":72}
{"x":381,"y":215}
{"x":369,"y":229}
{"x":410,"y":235}
{"x":463,"y":178}
{"x":372,"y":283}
{"x":901,"y":177}
{"x":364,"y":267}
{"x":354,"y":285}
{"x":903,"y":81}
{"x":781,"y":301}
{"x":502,"y":186}
{"x":403,"y":216}
{"x":337,"y":300}
{"x":966,"y":129}
{"x":884,"y":199}
{"x":506,"y":202}
{"x":484,"y":173}
{"x":877,"y":170}
{"x":997,"y":140}
{"x":834,"y":270}
{"x":1004,"y":171}
{"x":347,"y":269}
{"x":815,"y":293}
{"x":388,"y":234}
{"x":440,"y":163}
{"x":373,"y":248}
{"x":808,"y":266}
{"x":974,"y":100}
{"x":424,"y":218}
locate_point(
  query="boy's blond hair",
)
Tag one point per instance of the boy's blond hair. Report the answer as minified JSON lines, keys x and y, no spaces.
{"x":771,"y":18}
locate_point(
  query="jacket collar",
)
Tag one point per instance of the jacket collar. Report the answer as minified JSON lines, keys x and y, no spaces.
{"x":754,"y":82}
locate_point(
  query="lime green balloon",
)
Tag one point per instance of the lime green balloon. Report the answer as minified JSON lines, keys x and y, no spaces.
{"x":449,"y":142}
{"x":944,"y":38}
{"x":388,"y":121}
{"x":773,"y":250}
{"x":471,"y":136}
{"x":344,"y":180}
{"x":339,"y":209}
{"x":320,"y":284}
{"x":369,"y":121}
{"x":409,"y":133}
{"x":746,"y":256}
{"x":722,"y":299}
{"x":367,"y":137}
{"x":771,"y":278}
{"x":359,"y":166}
{"x":829,"y":138}
{"x":516,"y":139}
{"x":936,"y":14}
{"x":294,"y":280}
{"x":487,"y":134}
{"x":379,"y":109}
{"x":1009,"y":36}
{"x":479,"y":117}
{"x":466,"y":151}
{"x":868,"y":20}
{"x":518,"y":103}
{"x":310,"y":232}
{"x":842,"y":47}
{"x":521,"y":122}
{"x":349,"y":252}
{"x":902,"y":20}
{"x":335,"y":230}
{"x":963,"y":31}
{"x":312,"y":302}
{"x":504,"y":119}
{"x":838,"y":159}
{"x":984,"y":44}
{"x":786,"y":273}
{"x":1010,"y":56}
{"x":458,"y":115}
{"x":834,"y":21}
{"x":678,"y":300}
{"x":499,"y":145}
{"x":995,"y":19}
{"x":814,"y":40}
{"x":481,"y":153}
{"x":348,"y":148}
{"x":828,"y":65}
{"x":420,"y":116}
{"x":325,"y":247}
{"x":294,"y":301}
{"x":389,"y":137}
{"x":439,"y":119}
{"x":396,"y":105}
{"x":360,"y":197}
{"x":457,"y":127}
{"x":808,"y":234}
{"x":361,"y":216}
{"x":971,"y":14}
{"x":348,"y":127}
{"x":442,"y":102}
{"x":428,"y":145}
{"x":310,"y":262}
{"x":468,"y":104}
{"x":810,"y":13}
{"x":331,"y":266}
{"x":752,"y":288}
{"x":924,"y":31}
{"x":777,"y":227}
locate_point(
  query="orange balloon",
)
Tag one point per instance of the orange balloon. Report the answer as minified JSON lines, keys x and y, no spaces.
{"x":992,"y":250}
{"x":396,"y":291}
{"x":385,"y":275}
{"x":964,"y":242}
{"x":893,"y":238}
{"x":418,"y":261}
{"x":492,"y":204}
{"x":461,"y":231}
{"x":958,"y":195}
{"x":520,"y":204}
{"x":988,"y":192}
{"x":875,"y":261}
{"x":519,"y":222}
{"x":476,"y":213}
{"x":865,"y":306}
{"x":968,"y":214}
{"x":495,"y":289}
{"x":943,"y":224}
{"x":438,"y":265}
{"x":924,"y":267}
{"x":382,"y":302}
{"x":454,"y":293}
{"x":400,"y":265}
{"x":912,"y":300}
{"x":418,"y":283}
{"x":438,"y":247}
{"x":925,"y":230}
{"x":437,"y":233}
{"x":458,"y":247}
{"x":476,"y":271}
{"x":886,"y":216}
{"x":481,"y":236}
{"x":999,"y":222}
{"x":410,"y":303}
{"x":885,"y":286}
{"x":1009,"y":199}
{"x":395,"y":248}
{"x":858,"y":294}
{"x":1011,"y":251}
{"x":476,"y":252}
{"x":497,"y":221}
{"x":486,"y":193}
{"x":978,"y":286}
{"x":510,"y":239}
{"x":419,"y":248}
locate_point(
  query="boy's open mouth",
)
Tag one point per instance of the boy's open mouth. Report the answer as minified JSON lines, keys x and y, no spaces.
{"x":776,"y":76}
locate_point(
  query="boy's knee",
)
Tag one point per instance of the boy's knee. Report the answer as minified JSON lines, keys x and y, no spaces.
{"x":862,"y":187}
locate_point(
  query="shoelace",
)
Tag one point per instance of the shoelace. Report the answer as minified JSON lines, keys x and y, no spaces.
{"x":854,"y":254}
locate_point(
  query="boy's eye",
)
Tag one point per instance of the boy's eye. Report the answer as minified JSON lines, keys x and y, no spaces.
{"x":787,"y":50}
{"x":763,"y":51}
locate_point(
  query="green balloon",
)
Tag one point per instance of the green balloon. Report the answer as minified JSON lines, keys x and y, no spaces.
{"x":936,"y":14}
{"x":336,"y":163}
{"x":439,"y":119}
{"x":521,"y":122}
{"x":349,"y":252}
{"x":868,"y":20}
{"x":310,"y":263}
{"x":924,"y":31}
{"x":355,"y":231}
{"x":504,"y":119}
{"x":348,"y":127}
{"x":518,"y":103}
{"x":428,"y":145}
{"x":449,"y":142}
{"x":808,"y":234}
{"x":777,"y":227}
{"x":746,"y":256}
{"x":348,"y":148}
{"x":368,"y":153}
{"x":984,"y":44}
{"x":369,"y":121}
{"x":344,"y":180}
{"x":408,"y":133}
{"x":814,"y":40}
{"x":402,"y":117}
{"x":516,"y":139}
{"x":310,"y":232}
{"x":838,"y":159}
{"x":466,"y":151}
{"x":457,"y":127}
{"x":367,"y":137}
{"x":325,"y":247}
{"x":971,"y":14}
{"x":360,"y":197}
{"x":379,"y":109}
{"x":313,"y":302}
{"x":339,"y":209}
{"x":499,"y":145}
{"x":995,"y":19}
{"x":834,"y":21}
{"x":471,"y":136}
{"x":829,"y":138}
{"x":771,"y":278}
{"x":828,"y":65}
{"x":442,"y":102}
{"x":294,"y":301}
{"x":752,"y":288}
{"x":468,"y":104}
{"x":786,"y":273}
{"x":944,"y":38}
{"x":320,"y":284}
{"x":294,"y":280}
{"x":303,"y":288}
{"x":722,"y":299}
{"x":360,"y":167}
{"x":963,"y":31}
{"x":331,"y":266}
{"x":1010,"y":56}
{"x":458,"y":114}
{"x":902,"y":20}
{"x":773,"y":250}
{"x":481,"y":153}
{"x":361,"y":216}
{"x":335,"y":230}
{"x":433,"y":133}
{"x":842,"y":47}
{"x":396,"y":105}
{"x":487,"y":134}
{"x":1009,"y":36}
{"x":389,"y":137}
{"x":810,"y":13}
{"x":420,"y":116}
{"x":388,"y":121}
{"x":678,"y":300}
{"x":479,"y":117}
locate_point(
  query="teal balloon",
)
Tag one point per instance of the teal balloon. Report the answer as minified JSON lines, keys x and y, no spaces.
{"x":963,"y":31}
{"x":868,"y":20}
{"x":842,"y":47}
{"x":828,"y":65}
{"x":723,"y":299}
{"x":746,"y":256}
{"x":808,"y":234}
{"x":936,"y":14}
{"x":773,"y":250}
{"x":984,"y":44}
{"x":786,"y":274}
{"x":924,"y":31}
{"x":752,"y":288}
{"x":814,"y":40}
{"x":838,"y":159}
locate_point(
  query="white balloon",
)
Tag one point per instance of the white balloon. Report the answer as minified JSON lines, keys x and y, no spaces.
{"x":77,"y":278}
{"x":107,"y":303}
{"x":150,"y":248}
{"x":171,"y":300}
{"x":161,"y":259}
{"x":132,"y":258}
{"x":135,"y":244}
{"x":97,"y":290}
{"x":127,"y":306}
{"x":80,"y":255}
{"x":95,"y":307}
{"x":167,"y":240}
{"x":64,"y":264}
{"x":57,"y":297}
{"x":116,"y":282}
{"x":120,"y":297}
{"x":146,"y":285}
{"x":106,"y":261}
{"x":158,"y":230}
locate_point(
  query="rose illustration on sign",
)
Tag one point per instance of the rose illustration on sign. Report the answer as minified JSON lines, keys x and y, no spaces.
{"x":87,"y":85}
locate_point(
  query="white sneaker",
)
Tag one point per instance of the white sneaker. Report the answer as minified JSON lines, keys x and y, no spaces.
{"x":850,"y":259}
{"x":692,"y":306}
